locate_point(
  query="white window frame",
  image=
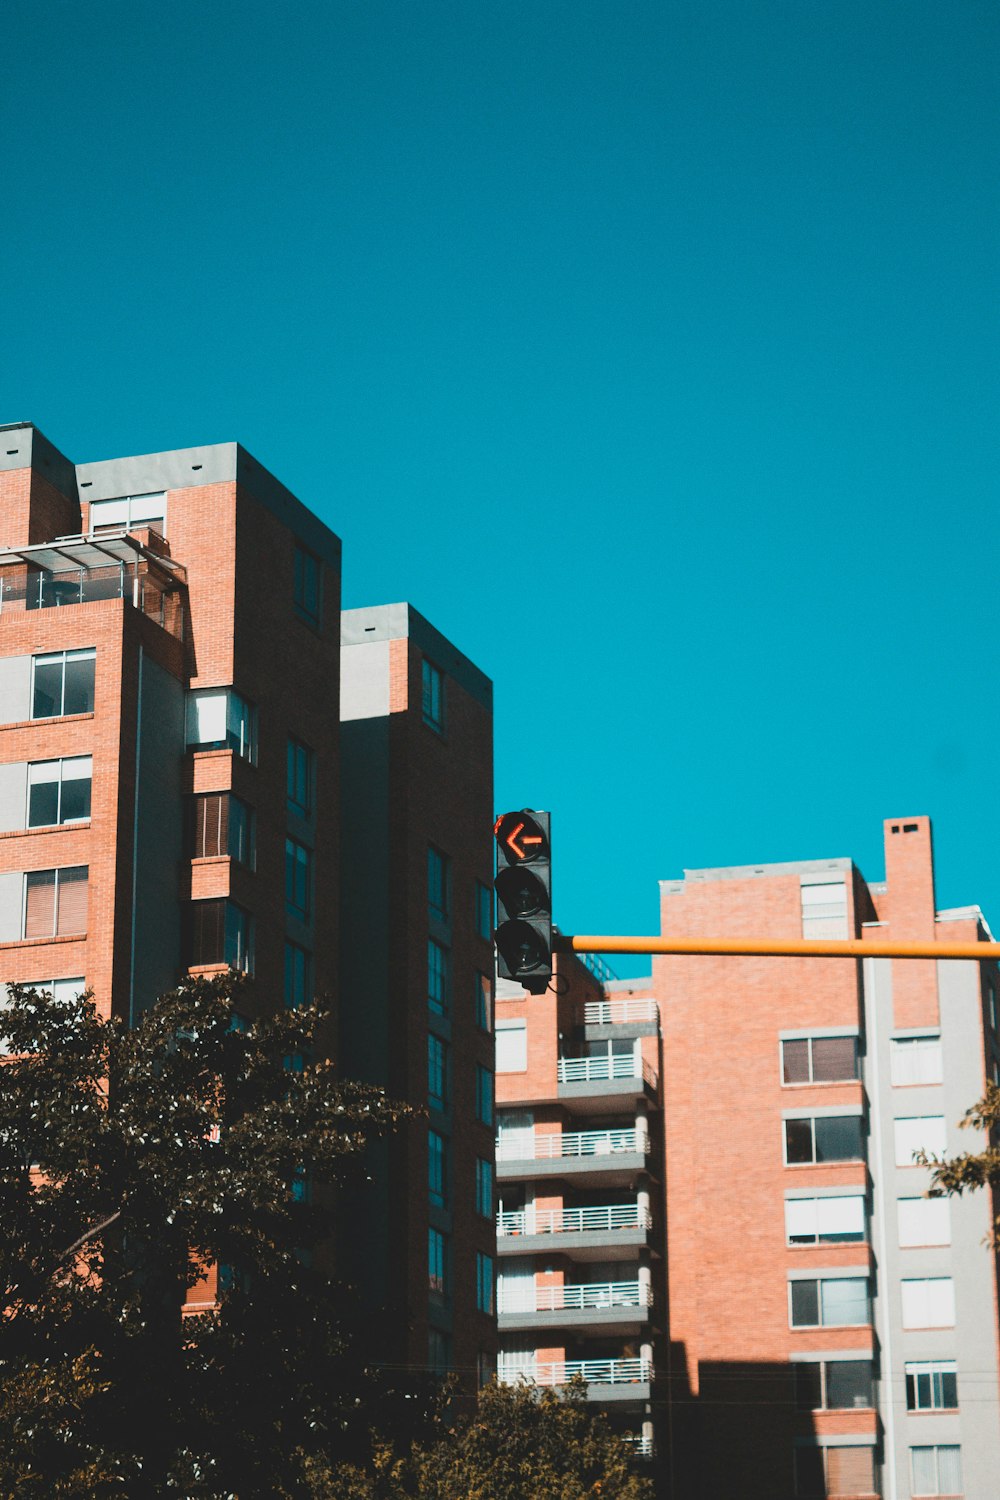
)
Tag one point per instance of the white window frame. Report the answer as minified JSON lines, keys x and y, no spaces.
{"x":926,"y":1138}
{"x":129,"y":503}
{"x":816,"y":1206}
{"x":927,"y":1282}
{"x":912,"y":1047}
{"x":929,"y":1367}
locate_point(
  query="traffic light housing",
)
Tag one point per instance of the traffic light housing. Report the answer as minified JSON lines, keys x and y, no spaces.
{"x":524,"y":899}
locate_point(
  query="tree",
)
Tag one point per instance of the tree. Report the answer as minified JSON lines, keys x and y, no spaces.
{"x":520,"y":1443}
{"x":132,"y":1163}
{"x":972,"y":1170}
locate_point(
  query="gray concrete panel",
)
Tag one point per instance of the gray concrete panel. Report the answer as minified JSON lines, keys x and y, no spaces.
{"x":364,"y":681}
{"x":15,"y":689}
{"x":396,"y":622}
{"x":23,"y":446}
{"x":13,"y":796}
{"x":11,"y":889}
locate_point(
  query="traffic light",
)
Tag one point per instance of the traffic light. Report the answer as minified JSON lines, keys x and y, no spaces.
{"x":524,"y":899}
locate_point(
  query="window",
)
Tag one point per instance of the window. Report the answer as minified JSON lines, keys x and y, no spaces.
{"x":915,"y":1059}
{"x":62,"y":683}
{"x":484,"y":1188}
{"x":991,"y":1002}
{"x":438,"y":1351}
{"x":307,"y":592}
{"x":834,"y":1385}
{"x":824,"y":1138}
{"x":834,"y":1471}
{"x":824,"y":910}
{"x":936,"y":1471}
{"x":437,"y":1072}
{"x":55,"y":902}
{"x":484,"y":1095}
{"x":129,"y":513}
{"x":432,"y":696}
{"x":824,"y":1221}
{"x":298,"y":880}
{"x":299,"y":773}
{"x":59,"y":989}
{"x":929,"y":1303}
{"x":819,"y":1059}
{"x":437,"y":1168}
{"x":223,"y":825}
{"x":924,"y":1221}
{"x":482,"y":997}
{"x":298,"y":976}
{"x":921,"y":1133}
{"x":833,"y":1302}
{"x":438,"y":977}
{"x":932,"y":1386}
{"x":59,"y":791}
{"x":222,"y":933}
{"x":220,"y":719}
{"x":484,"y":1282}
{"x":484,"y":910}
{"x":438,"y":881}
{"x":437,"y":1263}
{"x":512,"y":1046}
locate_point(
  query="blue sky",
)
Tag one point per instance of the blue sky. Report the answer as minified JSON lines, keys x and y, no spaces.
{"x":649,"y":349}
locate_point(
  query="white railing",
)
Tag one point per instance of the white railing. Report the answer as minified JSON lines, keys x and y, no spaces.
{"x":573,"y":1220}
{"x":600,"y":1069}
{"x":579,"y":1296}
{"x":641,"y":1446}
{"x":594,"y":1371}
{"x":619,"y":1012}
{"x":521,"y":1147}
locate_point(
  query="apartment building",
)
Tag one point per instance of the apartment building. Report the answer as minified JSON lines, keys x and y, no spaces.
{"x":580,"y":1220}
{"x":831,"y":1330}
{"x":417,"y":985}
{"x":171,"y":803}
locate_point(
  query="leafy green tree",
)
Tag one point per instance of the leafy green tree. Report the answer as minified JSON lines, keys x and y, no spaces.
{"x":972,"y":1170}
{"x":519,"y":1443}
{"x":132,"y":1162}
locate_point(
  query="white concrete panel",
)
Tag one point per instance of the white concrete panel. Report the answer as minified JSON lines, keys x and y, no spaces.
{"x":364,"y":681}
{"x":15,"y":689}
{"x":13,"y":795}
{"x":11,"y":887}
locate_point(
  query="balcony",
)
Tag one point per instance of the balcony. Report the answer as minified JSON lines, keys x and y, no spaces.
{"x":625,"y":1012}
{"x":609,"y":1156}
{"x":603,"y":1083}
{"x":614,"y":1307}
{"x":608,"y":1232}
{"x":87,"y":570}
{"x":607,"y":1379}
{"x":641,"y":1445}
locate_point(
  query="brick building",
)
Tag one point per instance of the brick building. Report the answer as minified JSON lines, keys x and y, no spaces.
{"x":170,"y":764}
{"x":831,"y":1331}
{"x":580,"y":1187}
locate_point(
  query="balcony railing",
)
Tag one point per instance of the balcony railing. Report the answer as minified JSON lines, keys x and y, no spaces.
{"x":594,"y":1371}
{"x":602,"y":1069}
{"x":579,"y":1297}
{"x":522,"y":1147}
{"x":619,"y":1012}
{"x":574,"y":1220}
{"x":641,"y":1446}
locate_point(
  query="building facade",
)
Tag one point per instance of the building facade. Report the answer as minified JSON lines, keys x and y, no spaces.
{"x":417,"y":985}
{"x":831,"y":1330}
{"x":580,"y":1217}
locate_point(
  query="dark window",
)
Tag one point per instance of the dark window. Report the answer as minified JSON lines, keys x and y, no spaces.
{"x":63,"y":683}
{"x":438,"y":881}
{"x":833,"y":1302}
{"x":484,"y":1095}
{"x":432,"y":696}
{"x":820,"y":1059}
{"x":298,"y":976}
{"x":825,"y":1138}
{"x":484,"y":1282}
{"x":59,"y":791}
{"x":437,"y":1168}
{"x":438,"y":977}
{"x":438,"y":1351}
{"x":809,"y":1386}
{"x":805,"y":1304}
{"x":307,"y":586}
{"x":932,"y":1387}
{"x":437,"y":1072}
{"x":298,"y":880}
{"x":221,"y":933}
{"x":484,"y":1187}
{"x":848,"y":1384}
{"x":299,"y":778}
{"x":810,"y":1476}
{"x":484,"y":910}
{"x":223,"y":824}
{"x":437,"y":1263}
{"x":483,"y":994}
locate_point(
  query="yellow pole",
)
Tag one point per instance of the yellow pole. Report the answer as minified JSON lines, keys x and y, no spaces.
{"x":775,"y":948}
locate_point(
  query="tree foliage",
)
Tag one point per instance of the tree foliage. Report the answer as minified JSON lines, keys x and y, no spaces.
{"x":132,"y":1162}
{"x":520,"y":1443}
{"x":972,"y":1170}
